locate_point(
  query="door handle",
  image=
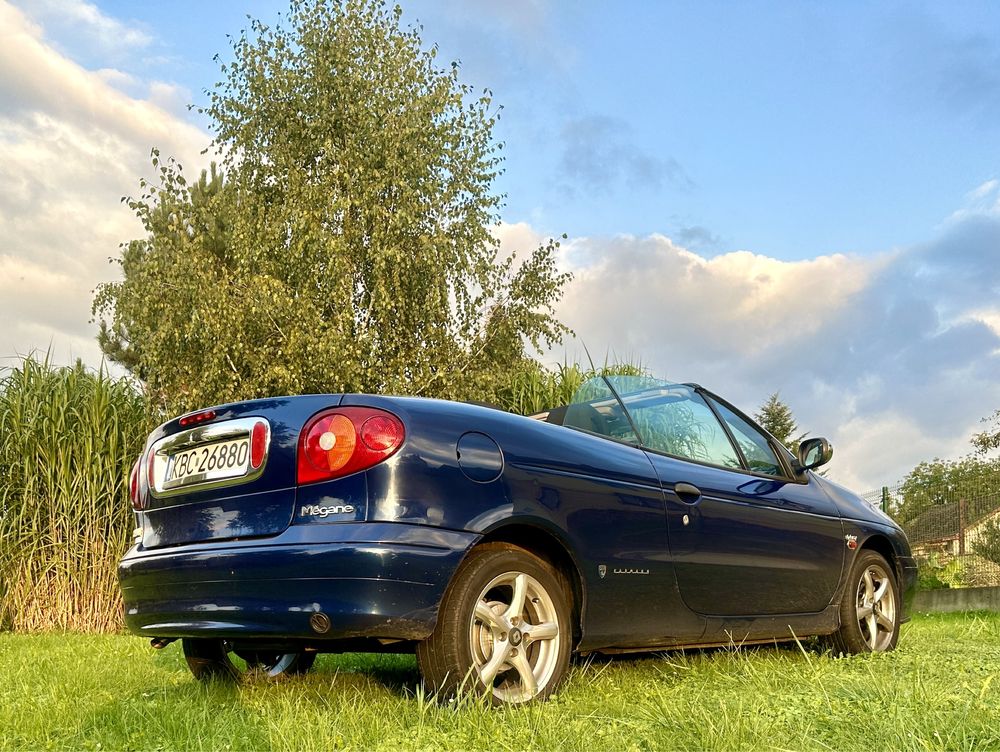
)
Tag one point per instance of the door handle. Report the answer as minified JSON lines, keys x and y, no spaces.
{"x":687,"y":493}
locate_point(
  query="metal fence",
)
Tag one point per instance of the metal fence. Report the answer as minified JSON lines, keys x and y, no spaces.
{"x":954,"y":532}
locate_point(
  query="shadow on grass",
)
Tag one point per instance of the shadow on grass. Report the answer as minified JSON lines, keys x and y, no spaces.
{"x":396,"y":673}
{"x":812,"y":645}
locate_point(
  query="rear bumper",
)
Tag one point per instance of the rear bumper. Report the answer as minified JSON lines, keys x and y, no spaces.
{"x":381,"y":580}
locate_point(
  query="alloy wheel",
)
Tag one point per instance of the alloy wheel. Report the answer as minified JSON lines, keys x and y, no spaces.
{"x":515,"y":637}
{"x":876,"y":607}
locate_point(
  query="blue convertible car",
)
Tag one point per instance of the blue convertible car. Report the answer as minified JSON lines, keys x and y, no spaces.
{"x":644,"y":515}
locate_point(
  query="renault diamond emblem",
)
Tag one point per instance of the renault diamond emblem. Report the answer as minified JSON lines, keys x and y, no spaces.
{"x":602,"y":570}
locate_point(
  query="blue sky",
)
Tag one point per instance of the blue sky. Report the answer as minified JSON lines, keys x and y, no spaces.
{"x":800,"y":197}
{"x":793,"y":129}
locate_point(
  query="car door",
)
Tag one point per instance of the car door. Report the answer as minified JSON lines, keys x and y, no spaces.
{"x":745,"y":537}
{"x":598,"y":486}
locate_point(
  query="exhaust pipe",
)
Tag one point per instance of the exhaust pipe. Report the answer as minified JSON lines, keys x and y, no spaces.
{"x":161,"y":642}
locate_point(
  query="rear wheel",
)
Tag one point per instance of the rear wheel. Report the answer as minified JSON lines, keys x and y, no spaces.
{"x":870,"y":608}
{"x":503,"y":628}
{"x":213,"y":659}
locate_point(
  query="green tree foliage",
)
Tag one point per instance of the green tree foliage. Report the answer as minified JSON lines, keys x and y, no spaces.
{"x":776,"y":418}
{"x":169,"y":275}
{"x":943,"y":482}
{"x":989,"y":439}
{"x":348,"y":246}
{"x":987,"y":544}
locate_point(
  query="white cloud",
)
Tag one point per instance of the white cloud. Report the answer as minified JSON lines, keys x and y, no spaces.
{"x":984,"y":190}
{"x":988,"y":316}
{"x":71,"y":145}
{"x":83,"y":24}
{"x":982,"y":200}
{"x":169,"y":97}
{"x":517,"y":238}
{"x":119,"y":79}
{"x":873,"y":443}
{"x":733,"y":304}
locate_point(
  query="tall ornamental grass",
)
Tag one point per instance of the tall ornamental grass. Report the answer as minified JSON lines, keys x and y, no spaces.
{"x":68,"y":438}
{"x":534,"y":388}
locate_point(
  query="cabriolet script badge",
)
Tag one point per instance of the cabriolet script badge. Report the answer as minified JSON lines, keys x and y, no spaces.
{"x":314,"y":510}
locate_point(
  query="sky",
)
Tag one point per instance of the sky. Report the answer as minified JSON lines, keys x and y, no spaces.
{"x":758,"y":197}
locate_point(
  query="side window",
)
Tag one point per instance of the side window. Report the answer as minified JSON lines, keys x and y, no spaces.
{"x":754,"y":444}
{"x":679,"y":422}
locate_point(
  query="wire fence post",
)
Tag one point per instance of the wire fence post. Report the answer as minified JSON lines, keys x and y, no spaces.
{"x":961,"y":527}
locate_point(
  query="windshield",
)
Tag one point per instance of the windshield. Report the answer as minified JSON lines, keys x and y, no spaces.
{"x":607,"y":405}
{"x":596,"y":409}
{"x":660,"y":415}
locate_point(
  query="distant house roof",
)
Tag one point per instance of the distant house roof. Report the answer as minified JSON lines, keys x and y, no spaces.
{"x":940,"y":522}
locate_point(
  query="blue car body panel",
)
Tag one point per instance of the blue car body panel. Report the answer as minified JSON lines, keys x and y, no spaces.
{"x":376,"y":550}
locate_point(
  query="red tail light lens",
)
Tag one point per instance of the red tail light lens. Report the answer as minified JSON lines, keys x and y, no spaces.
{"x":346,"y":440}
{"x":133,"y":486}
{"x":258,"y":444}
{"x":380,"y":433}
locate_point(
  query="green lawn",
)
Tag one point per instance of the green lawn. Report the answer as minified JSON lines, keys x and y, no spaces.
{"x":939,"y":690}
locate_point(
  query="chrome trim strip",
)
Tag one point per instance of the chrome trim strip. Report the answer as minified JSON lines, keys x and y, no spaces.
{"x":200,"y":436}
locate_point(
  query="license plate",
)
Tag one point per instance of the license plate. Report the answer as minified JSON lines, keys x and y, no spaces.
{"x":224,"y":459}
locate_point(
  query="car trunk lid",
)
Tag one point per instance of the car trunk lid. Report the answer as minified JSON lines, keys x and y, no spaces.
{"x":224,"y":473}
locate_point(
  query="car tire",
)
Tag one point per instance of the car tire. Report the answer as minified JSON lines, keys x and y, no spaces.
{"x":277,"y":664}
{"x":211,"y":659}
{"x":503,"y":629}
{"x":870,"y":609}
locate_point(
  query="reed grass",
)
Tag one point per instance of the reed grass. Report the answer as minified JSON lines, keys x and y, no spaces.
{"x":535,"y":387}
{"x":68,"y":438}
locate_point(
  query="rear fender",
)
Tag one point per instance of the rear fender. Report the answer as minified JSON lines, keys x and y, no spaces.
{"x":544,"y":540}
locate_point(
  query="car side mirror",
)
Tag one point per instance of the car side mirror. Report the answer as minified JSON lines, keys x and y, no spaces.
{"x":814,"y":452}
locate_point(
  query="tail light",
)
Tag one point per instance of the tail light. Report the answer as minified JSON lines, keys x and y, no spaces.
{"x":134,"y":491}
{"x":258,"y":444}
{"x":346,"y":440}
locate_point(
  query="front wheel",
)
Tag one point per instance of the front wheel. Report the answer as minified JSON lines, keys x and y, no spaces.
{"x":503,"y":628}
{"x":870,"y":608}
{"x":213,"y":659}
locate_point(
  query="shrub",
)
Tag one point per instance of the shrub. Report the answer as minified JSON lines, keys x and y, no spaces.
{"x":934,"y":575}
